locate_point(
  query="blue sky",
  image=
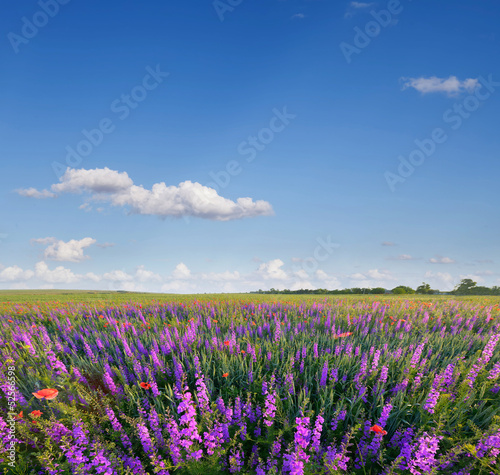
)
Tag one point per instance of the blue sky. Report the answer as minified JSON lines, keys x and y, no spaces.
{"x":198,"y":146}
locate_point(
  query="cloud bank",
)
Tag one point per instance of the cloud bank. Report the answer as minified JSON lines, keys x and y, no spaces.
{"x":186,"y":199}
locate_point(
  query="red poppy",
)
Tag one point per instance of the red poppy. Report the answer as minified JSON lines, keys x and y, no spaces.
{"x":11,"y":321}
{"x":46,"y":393}
{"x":226,"y":343}
{"x":243,"y":351}
{"x":19,"y":416}
{"x":225,"y":375}
{"x":344,"y":334}
{"x":145,"y":385}
{"x":36,"y":413}
{"x":378,"y":430}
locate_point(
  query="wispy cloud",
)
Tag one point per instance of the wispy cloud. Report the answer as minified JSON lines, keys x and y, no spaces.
{"x":441,"y":260}
{"x":34,"y":193}
{"x":104,"y":245}
{"x":388,"y":243}
{"x":354,"y":7}
{"x":402,"y":257}
{"x":185,"y":199}
{"x":450,"y":86}
{"x":298,"y":16}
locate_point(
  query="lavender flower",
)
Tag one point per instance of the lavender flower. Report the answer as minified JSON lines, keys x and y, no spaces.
{"x":423,"y":459}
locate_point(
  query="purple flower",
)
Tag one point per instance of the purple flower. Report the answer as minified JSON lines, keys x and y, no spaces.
{"x":423,"y":459}
{"x":324,"y":375}
{"x":269,"y":403}
{"x":432,"y":400}
{"x":145,"y":438}
{"x":340,"y":417}
{"x":416,"y":355}
{"x":316,"y":435}
{"x":117,"y":427}
{"x":489,"y":447}
{"x":495,"y":371}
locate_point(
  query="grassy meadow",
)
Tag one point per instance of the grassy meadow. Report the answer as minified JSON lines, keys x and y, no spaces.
{"x":125,"y":383}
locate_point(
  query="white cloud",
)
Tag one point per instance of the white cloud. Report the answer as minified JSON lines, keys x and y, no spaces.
{"x":104,"y":245}
{"x":186,"y":199}
{"x":143,"y":275}
{"x":179,"y":286}
{"x":450,"y":86}
{"x":272,"y":270}
{"x":373,"y":278}
{"x":181,"y":271}
{"x":15,"y":274}
{"x":485,"y":272}
{"x":329,"y":281}
{"x":402,"y":257}
{"x":93,"y":277}
{"x":71,"y":251}
{"x":354,"y":7}
{"x":221,"y":276}
{"x":302,"y":284}
{"x":380,"y":274}
{"x":34,"y":193}
{"x":301,"y":274}
{"x":475,"y":277}
{"x":298,"y":16}
{"x":117,"y":276}
{"x":59,"y":275}
{"x":98,"y":180}
{"x":388,"y":243}
{"x":441,"y":260}
{"x":441,"y":280}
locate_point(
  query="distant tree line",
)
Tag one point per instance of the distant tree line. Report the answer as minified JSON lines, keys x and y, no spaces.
{"x":466,"y":287}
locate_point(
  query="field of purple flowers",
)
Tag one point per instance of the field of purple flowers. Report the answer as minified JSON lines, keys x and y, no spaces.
{"x":251,"y":386}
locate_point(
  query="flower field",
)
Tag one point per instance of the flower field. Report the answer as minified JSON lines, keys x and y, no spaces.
{"x":251,"y":385}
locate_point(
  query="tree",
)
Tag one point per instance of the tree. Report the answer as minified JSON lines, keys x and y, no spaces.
{"x":377,"y":290}
{"x":425,"y":289}
{"x":402,"y":289}
{"x":464,"y":287}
